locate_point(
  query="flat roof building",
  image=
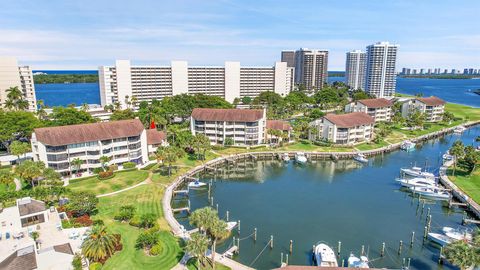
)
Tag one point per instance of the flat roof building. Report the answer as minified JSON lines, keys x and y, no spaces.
{"x":381,"y":78}
{"x":11,"y":75}
{"x":355,"y":68}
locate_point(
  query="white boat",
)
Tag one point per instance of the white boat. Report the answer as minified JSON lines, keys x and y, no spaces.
{"x":324,"y":256}
{"x":360,"y":158}
{"x":440,"y":239}
{"x":355,"y":262}
{"x":434,"y":193}
{"x":458,"y":234}
{"x":459,"y":129}
{"x":196,"y":184}
{"x":285,"y":157}
{"x":300,"y":158}
{"x":447,"y":157}
{"x":231,"y":225}
{"x":417,"y":182}
{"x":407,"y":145}
{"x":417,"y":172}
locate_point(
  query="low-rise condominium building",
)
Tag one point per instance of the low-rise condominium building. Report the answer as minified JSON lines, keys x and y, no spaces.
{"x":378,"y":108}
{"x":432,"y":107}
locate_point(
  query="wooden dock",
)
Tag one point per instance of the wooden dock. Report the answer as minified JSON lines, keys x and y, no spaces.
{"x":230,"y":252}
{"x":182,"y":209}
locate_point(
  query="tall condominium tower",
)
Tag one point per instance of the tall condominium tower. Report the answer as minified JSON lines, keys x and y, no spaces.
{"x":311,"y":68}
{"x":11,"y":75}
{"x":380,"y":77}
{"x":355,"y":67}
{"x":122,"y":81}
{"x":289,"y":58}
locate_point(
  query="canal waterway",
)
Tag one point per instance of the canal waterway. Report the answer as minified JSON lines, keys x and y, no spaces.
{"x":331,"y":201}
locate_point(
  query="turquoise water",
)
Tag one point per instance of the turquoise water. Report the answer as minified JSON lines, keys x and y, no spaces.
{"x":326,"y":201}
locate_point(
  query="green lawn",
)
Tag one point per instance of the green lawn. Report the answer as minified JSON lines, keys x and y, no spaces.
{"x":470,"y":184}
{"x":147,"y":199}
{"x":120,"y":181}
{"x":371,"y":145}
{"x":462,"y":111}
{"x":192,"y":264}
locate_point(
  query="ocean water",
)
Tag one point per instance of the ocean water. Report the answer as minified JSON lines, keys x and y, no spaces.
{"x":451,"y":90}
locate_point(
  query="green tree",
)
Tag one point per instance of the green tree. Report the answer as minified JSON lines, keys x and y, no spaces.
{"x":125,"y":213}
{"x":99,"y":245}
{"x":247,"y":100}
{"x":16,"y":124}
{"x":448,"y":117}
{"x":360,"y":94}
{"x":63,"y":116}
{"x":470,"y":159}
{"x":457,"y":151}
{"x":75,"y":165}
{"x":330,"y":97}
{"x":30,"y":171}
{"x":217,"y":231}
{"x":197,"y":246}
{"x":122,"y":115}
{"x":147,"y":239}
{"x":168,"y":154}
{"x":416,"y":119}
{"x":315,"y":114}
{"x":19,"y":148}
{"x":51,"y":178}
{"x":15,"y":100}
{"x":461,"y":254}
{"x":104,"y":160}
{"x":147,"y":220}
{"x":6,"y":177}
{"x":228,"y":141}
{"x":41,"y":113}
{"x":77,"y":262}
{"x":201,"y":144}
{"x":81,"y":203}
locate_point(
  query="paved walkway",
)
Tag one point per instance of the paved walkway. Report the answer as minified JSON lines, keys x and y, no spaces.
{"x":18,"y":184}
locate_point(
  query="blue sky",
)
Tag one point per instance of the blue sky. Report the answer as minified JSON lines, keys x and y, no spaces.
{"x":61,"y":34}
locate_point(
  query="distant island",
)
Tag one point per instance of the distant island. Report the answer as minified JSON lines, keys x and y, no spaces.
{"x":41,"y":78}
{"x":440,"y":76}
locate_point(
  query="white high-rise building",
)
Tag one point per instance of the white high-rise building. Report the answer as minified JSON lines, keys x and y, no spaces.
{"x":11,"y":75}
{"x":156,"y":82}
{"x":355,"y":69}
{"x":311,"y":68}
{"x":380,"y":76}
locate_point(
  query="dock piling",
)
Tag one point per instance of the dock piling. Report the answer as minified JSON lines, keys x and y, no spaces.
{"x":382,"y":251}
{"x":281,"y":258}
{"x":227,"y":214}
{"x":440,"y":257}
{"x":217,"y":207}
{"x":291,"y":246}
{"x":286,"y":259}
{"x":238,"y":245}
{"x":255,"y":234}
{"x":400,"y":245}
{"x":339,"y":248}
{"x":271,"y":241}
{"x":238,"y":224}
{"x":425,"y":233}
{"x":408,"y":263}
{"x":428,"y":213}
{"x":362,"y":253}
{"x":412,"y":239}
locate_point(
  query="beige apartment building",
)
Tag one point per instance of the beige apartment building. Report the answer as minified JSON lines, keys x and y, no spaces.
{"x":11,"y":75}
{"x":244,"y":127}
{"x":156,"y":82}
{"x":432,"y":107}
{"x":345,"y":129}
{"x":378,"y":108}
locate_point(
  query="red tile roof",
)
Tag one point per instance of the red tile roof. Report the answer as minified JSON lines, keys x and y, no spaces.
{"x":350,"y":119}
{"x":234,"y":115}
{"x":432,"y":101}
{"x":278,"y":125}
{"x":64,"y":135}
{"x":155,"y":136}
{"x":376,"y":102}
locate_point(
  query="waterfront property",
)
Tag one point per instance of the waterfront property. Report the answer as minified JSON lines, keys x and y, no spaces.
{"x":155,"y":139}
{"x":13,"y":75}
{"x":156,"y":82}
{"x":380,"y":79}
{"x":432,"y":107}
{"x":55,"y":248}
{"x":281,"y":128}
{"x":347,"y":129}
{"x":378,"y":108}
{"x":121,"y":141}
{"x":243,"y":127}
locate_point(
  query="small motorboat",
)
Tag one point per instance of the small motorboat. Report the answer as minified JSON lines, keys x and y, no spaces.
{"x":459,"y":129}
{"x":407,"y":145}
{"x":355,"y":262}
{"x":196,"y":184}
{"x":417,"y":182}
{"x":417,"y":172}
{"x":447,"y":157}
{"x":458,"y":234}
{"x":360,"y":158}
{"x":434,"y":193}
{"x":300,"y":158}
{"x":324,"y":256}
{"x":285,"y":157}
{"x":439,"y":238}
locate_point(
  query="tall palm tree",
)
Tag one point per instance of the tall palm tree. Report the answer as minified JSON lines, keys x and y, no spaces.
{"x":99,"y":245}
{"x":15,"y":100}
{"x":203,"y":218}
{"x":461,"y":254}
{"x":198,"y":246}
{"x":457,"y":150}
{"x":217,"y":231}
{"x":76,"y":164}
{"x":104,"y":161}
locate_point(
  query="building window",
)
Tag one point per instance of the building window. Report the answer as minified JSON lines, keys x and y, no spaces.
{"x":76,"y":145}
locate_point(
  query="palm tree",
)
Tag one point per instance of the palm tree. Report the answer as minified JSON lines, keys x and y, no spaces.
{"x":133,"y":101}
{"x":104,"y":161}
{"x":198,"y":246}
{"x":99,"y":245}
{"x":457,"y":150}
{"x":203,"y":218}
{"x":15,"y":100}
{"x":19,"y":148}
{"x":76,"y":164}
{"x":41,"y":113}
{"x":84,"y":107}
{"x":461,"y":254}
{"x":30,"y":170}
{"x":217,"y":231}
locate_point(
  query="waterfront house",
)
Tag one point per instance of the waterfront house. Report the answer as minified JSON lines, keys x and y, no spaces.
{"x":244,"y":127}
{"x":378,"y":108}
{"x":346,"y":129}
{"x":432,"y":107}
{"x":155,"y":139}
{"x":281,"y":127}
{"x":122,"y":141}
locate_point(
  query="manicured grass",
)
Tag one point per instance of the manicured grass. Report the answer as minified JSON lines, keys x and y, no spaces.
{"x":371,"y":145}
{"x":470,"y":184}
{"x":120,"y":181}
{"x":310,"y":147}
{"x":146,"y":199}
{"x":192,"y":264}
{"x":462,"y":111}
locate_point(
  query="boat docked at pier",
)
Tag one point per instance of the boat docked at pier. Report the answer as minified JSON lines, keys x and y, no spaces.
{"x":439,"y":238}
{"x":360,"y":158}
{"x":417,"y":182}
{"x":459,"y":129}
{"x":196,"y":184}
{"x":457,"y":234}
{"x":432,"y":192}
{"x":355,"y":262}
{"x":324,"y":256}
{"x":285,"y":157}
{"x":407,"y":145}
{"x":300,"y":158}
{"x":417,"y":172}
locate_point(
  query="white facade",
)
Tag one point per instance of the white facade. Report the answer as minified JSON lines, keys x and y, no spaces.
{"x":355,"y":68}
{"x":380,"y":73}
{"x":325,"y":129}
{"x":11,"y":75}
{"x":156,"y":82}
{"x":381,"y":113}
{"x":311,"y":68}
{"x":433,"y":111}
